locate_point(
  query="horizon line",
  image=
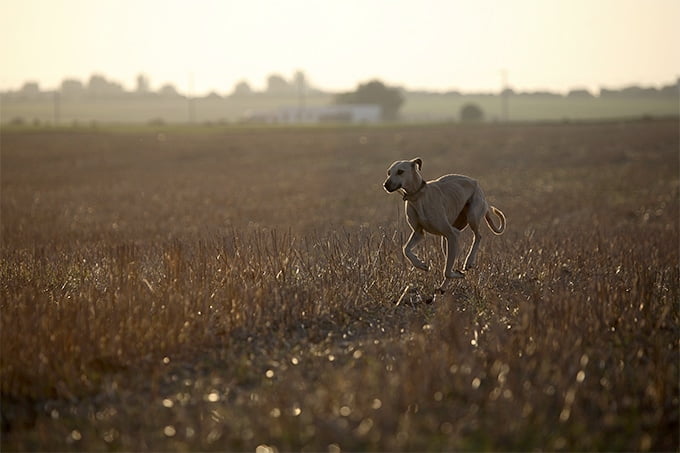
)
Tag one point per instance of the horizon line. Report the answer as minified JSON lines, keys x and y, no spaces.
{"x":293,"y":89}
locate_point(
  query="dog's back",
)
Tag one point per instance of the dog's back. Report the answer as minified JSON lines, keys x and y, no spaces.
{"x":457,"y":188}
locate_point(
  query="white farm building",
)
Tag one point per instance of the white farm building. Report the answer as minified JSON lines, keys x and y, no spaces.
{"x":341,"y":113}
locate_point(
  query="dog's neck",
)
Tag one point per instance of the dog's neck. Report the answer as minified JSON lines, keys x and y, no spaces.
{"x":412,"y":196}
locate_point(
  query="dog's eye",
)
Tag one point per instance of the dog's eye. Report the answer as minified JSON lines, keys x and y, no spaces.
{"x":399,"y":172}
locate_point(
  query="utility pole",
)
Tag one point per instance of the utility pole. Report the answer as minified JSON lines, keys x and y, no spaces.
{"x":300,"y":83}
{"x":56,"y":111}
{"x":190,"y":99}
{"x":505,"y":94}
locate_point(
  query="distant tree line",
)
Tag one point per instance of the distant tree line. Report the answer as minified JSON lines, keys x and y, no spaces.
{"x":99,"y":87}
{"x":631,"y":92}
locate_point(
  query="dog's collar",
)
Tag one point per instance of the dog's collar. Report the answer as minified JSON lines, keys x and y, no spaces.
{"x":414,"y":195}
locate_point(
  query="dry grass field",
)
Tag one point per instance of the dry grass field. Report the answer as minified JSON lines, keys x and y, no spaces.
{"x":234,"y":289}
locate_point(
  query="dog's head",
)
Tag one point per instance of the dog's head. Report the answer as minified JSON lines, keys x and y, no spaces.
{"x":404,"y":174}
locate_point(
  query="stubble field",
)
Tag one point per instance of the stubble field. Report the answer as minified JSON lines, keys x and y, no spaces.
{"x":235,"y":288}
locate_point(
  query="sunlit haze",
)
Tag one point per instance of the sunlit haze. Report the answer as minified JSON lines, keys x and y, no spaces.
{"x":211,"y":45}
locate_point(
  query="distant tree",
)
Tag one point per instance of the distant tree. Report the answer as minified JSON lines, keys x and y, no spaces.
{"x":98,"y":86}
{"x":632,"y":91}
{"x":168,"y":90}
{"x":579,"y":93}
{"x":639,"y":92}
{"x":142,"y":84}
{"x":300,"y":85}
{"x":672,"y":90}
{"x":300,"y":81}
{"x":30,"y":90}
{"x":242,"y":88}
{"x":540,"y":94}
{"x":277,"y":85}
{"x":72,"y":88}
{"x":375,"y":92}
{"x":471,"y":113}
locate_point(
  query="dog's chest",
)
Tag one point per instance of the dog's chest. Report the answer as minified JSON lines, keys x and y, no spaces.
{"x":426,"y":215}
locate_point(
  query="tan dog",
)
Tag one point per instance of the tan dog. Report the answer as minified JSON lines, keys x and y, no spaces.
{"x":443,"y":207}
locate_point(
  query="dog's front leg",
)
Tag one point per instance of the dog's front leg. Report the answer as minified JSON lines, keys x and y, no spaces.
{"x":415,"y":238}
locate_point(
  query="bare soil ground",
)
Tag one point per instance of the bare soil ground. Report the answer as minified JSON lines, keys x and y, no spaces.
{"x":235,"y":288}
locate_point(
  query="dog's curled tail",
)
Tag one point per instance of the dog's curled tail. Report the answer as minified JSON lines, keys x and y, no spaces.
{"x":489,"y":220}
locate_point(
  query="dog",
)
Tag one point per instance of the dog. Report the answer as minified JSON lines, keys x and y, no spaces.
{"x":443,"y":207}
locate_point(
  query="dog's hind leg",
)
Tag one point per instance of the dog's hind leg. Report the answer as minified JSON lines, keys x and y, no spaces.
{"x":451,"y":239}
{"x":450,"y":248}
{"x":471,"y":259}
{"x":475,"y":214}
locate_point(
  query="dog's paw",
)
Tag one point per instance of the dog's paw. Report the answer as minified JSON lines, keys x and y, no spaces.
{"x":423,"y":267}
{"x":456,"y":274}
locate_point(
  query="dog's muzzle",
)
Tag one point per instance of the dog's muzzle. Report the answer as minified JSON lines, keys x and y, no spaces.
{"x":390,"y":186}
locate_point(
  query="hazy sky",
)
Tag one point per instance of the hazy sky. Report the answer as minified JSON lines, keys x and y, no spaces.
{"x":430,"y":44}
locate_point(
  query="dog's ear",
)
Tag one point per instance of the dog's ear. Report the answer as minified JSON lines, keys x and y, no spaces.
{"x":417,"y":161}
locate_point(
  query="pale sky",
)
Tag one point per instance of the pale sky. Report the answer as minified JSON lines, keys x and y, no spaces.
{"x":421,"y":44}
